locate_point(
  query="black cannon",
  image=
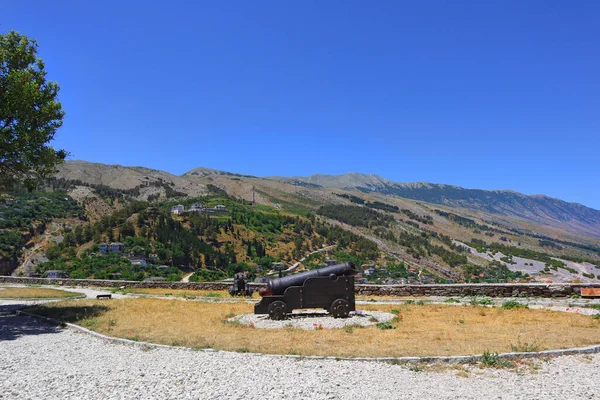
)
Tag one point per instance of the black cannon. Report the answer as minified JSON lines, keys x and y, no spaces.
{"x":240,"y":285}
{"x":331,"y":288}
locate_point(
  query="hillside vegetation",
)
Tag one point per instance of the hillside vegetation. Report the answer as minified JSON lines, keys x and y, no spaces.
{"x":406,"y":240}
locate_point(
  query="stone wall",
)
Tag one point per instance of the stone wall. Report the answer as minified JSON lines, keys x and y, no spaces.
{"x":454,"y":290}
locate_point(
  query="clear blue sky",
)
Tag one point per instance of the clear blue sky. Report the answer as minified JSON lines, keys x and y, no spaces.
{"x":481,"y":94}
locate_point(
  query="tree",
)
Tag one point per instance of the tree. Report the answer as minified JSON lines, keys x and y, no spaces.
{"x":30,"y":114}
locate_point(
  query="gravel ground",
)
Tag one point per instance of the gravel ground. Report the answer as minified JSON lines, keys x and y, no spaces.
{"x":312,"y":319}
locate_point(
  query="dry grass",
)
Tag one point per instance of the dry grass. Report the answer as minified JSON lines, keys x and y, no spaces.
{"x":181,"y":292}
{"x":34,"y":293}
{"x":425,"y":330}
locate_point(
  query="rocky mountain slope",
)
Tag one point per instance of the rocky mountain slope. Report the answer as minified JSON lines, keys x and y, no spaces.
{"x":539,"y":209}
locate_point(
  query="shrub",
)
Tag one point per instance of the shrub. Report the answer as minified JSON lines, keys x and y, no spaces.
{"x":386,"y":325}
{"x":511,"y":304}
{"x":524,"y":347}
{"x":494,"y":360}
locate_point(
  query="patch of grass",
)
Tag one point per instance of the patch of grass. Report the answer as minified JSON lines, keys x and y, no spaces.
{"x":511,"y":304}
{"x":179,"y":292}
{"x":386,"y":325}
{"x":395,"y":311}
{"x":486,"y":302}
{"x":451,"y":300}
{"x":351,"y":328}
{"x":35,"y":293}
{"x":524,"y":347}
{"x":493,"y":360}
{"x":435,"y":331}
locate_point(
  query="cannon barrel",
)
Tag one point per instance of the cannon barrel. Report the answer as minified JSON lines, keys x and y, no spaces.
{"x":278,"y":286}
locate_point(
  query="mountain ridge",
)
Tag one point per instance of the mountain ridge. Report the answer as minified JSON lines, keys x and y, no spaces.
{"x":540,"y":209}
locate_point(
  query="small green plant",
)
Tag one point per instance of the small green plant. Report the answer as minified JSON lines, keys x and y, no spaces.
{"x":168,"y":294}
{"x":486,"y":302}
{"x":594,"y":306}
{"x":596,"y":316}
{"x":493,"y":360}
{"x":416,"y":368}
{"x":213,"y":295}
{"x":452,"y":300}
{"x":409,"y":302}
{"x":373,"y":319}
{"x":89,"y":323}
{"x":420,"y":303}
{"x":511,"y":304}
{"x":395,"y":311}
{"x":461,"y":320}
{"x":524,"y":347}
{"x":243,"y":350}
{"x":386,"y":325}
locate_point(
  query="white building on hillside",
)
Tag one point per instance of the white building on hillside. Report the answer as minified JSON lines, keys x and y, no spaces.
{"x":178,"y":209}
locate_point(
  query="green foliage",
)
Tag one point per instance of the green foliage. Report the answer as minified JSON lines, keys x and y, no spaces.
{"x":511,"y":251}
{"x":524,"y":347}
{"x":463,"y":221}
{"x":425,"y":219}
{"x":355,"y":216}
{"x":495,"y":273}
{"x":511,"y":305}
{"x":38,"y":207}
{"x":493,"y":360}
{"x":376,"y":204}
{"x":386,"y":325}
{"x":102,"y":266}
{"x":30,"y":114}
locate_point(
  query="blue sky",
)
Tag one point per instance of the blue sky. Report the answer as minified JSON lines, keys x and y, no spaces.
{"x":491,"y":95}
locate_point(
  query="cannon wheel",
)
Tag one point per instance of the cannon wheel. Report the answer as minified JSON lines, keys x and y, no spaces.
{"x":340,"y":308}
{"x":277,"y":310}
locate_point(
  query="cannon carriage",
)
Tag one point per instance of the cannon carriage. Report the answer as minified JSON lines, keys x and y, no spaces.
{"x":240,"y":287}
{"x":330,"y":288}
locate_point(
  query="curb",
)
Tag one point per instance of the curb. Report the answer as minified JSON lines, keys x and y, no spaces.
{"x":401,"y":360}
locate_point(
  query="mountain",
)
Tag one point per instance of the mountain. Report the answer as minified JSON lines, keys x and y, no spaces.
{"x":421,"y":232}
{"x":316,"y":190}
{"x":539,"y":209}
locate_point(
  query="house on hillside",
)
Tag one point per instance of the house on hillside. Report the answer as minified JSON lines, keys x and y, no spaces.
{"x":330,"y":262}
{"x":103,"y":247}
{"x":196,"y":207}
{"x":178,"y":209}
{"x":116,"y":247}
{"x":220,"y":207}
{"x":138,"y":261}
{"x":368,"y":269}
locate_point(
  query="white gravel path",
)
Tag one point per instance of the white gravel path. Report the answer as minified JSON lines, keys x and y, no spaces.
{"x":311,"y":320}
